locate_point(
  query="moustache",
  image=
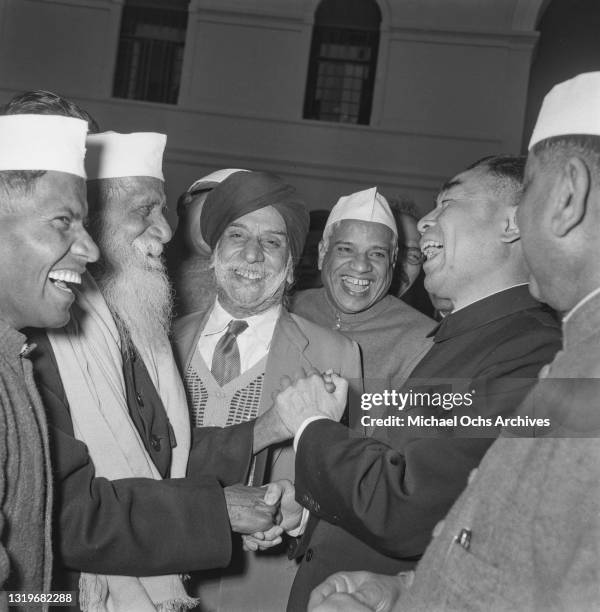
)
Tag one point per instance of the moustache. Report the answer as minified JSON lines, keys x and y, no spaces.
{"x":149,"y":254}
{"x":149,"y":248}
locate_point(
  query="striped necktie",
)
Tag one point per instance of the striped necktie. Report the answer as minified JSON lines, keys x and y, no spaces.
{"x":226,"y":358}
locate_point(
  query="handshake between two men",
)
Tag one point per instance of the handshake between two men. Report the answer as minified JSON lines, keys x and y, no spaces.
{"x":262,"y":514}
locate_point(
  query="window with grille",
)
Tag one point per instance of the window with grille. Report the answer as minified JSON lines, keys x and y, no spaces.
{"x":343,"y":60}
{"x":150,"y":54}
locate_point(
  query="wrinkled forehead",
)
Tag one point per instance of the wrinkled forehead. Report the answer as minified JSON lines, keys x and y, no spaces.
{"x":55,"y":189}
{"x":125,"y":193}
{"x":367,"y":234}
{"x":480,"y":188}
{"x":465,"y":184}
{"x":263,"y":220}
{"x":145,"y":187}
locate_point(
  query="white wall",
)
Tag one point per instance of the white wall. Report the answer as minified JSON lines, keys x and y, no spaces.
{"x":451,"y":87}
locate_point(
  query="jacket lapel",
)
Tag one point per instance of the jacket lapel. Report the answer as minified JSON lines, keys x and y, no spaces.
{"x":188,"y":340}
{"x":286,"y":357}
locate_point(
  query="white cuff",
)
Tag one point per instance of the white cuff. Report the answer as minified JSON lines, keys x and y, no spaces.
{"x":300,"y":529}
{"x":304,"y":426}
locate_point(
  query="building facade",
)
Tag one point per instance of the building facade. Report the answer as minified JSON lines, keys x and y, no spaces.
{"x":402,"y":98}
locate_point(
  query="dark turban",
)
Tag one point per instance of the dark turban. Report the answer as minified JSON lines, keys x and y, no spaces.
{"x":243,"y":193}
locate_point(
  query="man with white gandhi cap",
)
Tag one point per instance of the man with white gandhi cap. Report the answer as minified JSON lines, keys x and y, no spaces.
{"x":525,"y":534}
{"x":44,"y":249}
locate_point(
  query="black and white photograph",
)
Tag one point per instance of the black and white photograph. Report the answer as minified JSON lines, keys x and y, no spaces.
{"x":300,"y":305}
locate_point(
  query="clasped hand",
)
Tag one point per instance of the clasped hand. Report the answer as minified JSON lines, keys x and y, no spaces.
{"x":280,"y":492}
{"x":309,"y":395}
{"x":248,"y":512}
{"x":357,"y":592}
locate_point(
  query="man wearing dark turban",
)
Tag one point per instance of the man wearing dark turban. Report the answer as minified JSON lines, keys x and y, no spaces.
{"x":233,"y":357}
{"x":243,"y":193}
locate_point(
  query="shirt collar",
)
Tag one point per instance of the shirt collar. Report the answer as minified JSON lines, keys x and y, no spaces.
{"x":477,"y":314}
{"x":582,"y":320}
{"x":590,"y":296}
{"x":261,"y":324}
{"x":490,"y":295}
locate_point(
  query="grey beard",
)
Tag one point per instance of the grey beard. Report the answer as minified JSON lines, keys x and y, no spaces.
{"x":274,"y":287}
{"x":139,"y":297}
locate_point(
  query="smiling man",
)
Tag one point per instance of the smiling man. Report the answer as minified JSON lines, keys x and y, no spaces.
{"x":128,"y":521}
{"x":234,"y":356}
{"x":44,"y":249}
{"x":188,"y":256}
{"x":356,"y":257}
{"x":525,"y":534}
{"x":379,"y":501}
{"x":410,"y":258}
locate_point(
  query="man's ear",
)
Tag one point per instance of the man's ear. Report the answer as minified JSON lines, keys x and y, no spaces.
{"x":289,"y":276}
{"x":511,"y":229}
{"x":394,"y":255}
{"x":322,"y":253}
{"x":569,"y":205}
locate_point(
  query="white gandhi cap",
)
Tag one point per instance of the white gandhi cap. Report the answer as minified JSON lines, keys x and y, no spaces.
{"x":114,"y":155}
{"x":367,"y":205}
{"x":214,"y":178}
{"x":42,"y":142}
{"x":571,"y":107}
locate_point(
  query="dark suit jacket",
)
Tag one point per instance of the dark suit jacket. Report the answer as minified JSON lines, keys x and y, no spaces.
{"x":137,"y":526}
{"x":532,"y":510}
{"x":378,"y":501}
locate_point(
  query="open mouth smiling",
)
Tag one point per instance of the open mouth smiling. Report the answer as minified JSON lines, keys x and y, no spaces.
{"x":61,"y":279}
{"x":356,"y":285}
{"x":250,"y":275}
{"x":431,"y":249}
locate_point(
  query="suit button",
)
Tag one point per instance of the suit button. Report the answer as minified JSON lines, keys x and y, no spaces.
{"x":309,"y":555}
{"x":155,"y":443}
{"x":464,"y":538}
{"x":139,"y":399}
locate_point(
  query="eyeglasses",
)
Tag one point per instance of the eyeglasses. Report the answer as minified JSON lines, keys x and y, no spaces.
{"x":413,"y":256}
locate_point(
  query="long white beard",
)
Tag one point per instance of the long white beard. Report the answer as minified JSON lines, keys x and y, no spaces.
{"x":137,"y":291}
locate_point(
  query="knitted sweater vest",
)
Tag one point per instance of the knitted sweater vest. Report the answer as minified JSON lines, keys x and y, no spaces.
{"x":214,"y":406}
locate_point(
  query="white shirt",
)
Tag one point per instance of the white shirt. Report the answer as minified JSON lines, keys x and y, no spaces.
{"x":253,"y":343}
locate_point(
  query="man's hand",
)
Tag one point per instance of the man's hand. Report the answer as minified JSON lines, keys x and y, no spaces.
{"x":310,"y":396}
{"x":290,"y":511}
{"x":356,"y":592}
{"x":262,"y":540}
{"x":282,"y":492}
{"x":271,"y":427}
{"x":248,"y":512}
